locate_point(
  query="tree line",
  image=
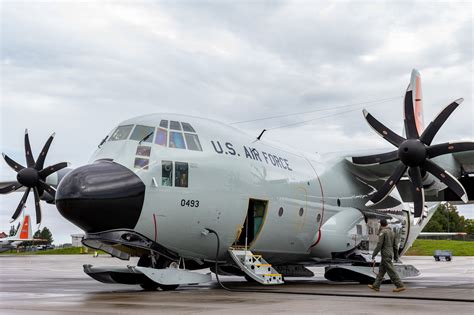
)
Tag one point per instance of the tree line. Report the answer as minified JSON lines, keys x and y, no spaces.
{"x":44,"y":234}
{"x":447,"y":219}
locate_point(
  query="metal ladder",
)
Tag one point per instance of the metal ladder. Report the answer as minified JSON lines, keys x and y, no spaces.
{"x":255,"y":267}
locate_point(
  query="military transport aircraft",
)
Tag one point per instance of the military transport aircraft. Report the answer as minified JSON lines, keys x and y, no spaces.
{"x":23,"y":234}
{"x":186,"y":193}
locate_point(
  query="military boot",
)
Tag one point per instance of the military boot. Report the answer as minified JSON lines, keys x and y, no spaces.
{"x":399,"y":289}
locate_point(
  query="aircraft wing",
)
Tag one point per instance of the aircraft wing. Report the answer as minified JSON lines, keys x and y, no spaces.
{"x":443,"y":234}
{"x":459,"y":164}
{"x":6,"y":184}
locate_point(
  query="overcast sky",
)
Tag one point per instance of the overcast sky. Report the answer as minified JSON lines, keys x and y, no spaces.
{"x":79,"y":68}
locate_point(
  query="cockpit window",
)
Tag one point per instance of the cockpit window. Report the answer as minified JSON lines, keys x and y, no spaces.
{"x":176,"y":140}
{"x":161,"y":136}
{"x":192,"y":141}
{"x":174,"y":125}
{"x":143,"y":133}
{"x":166,"y":173}
{"x":141,"y":163}
{"x":187,"y":127}
{"x":143,"y":150}
{"x":181,"y":174}
{"x":121,"y":133}
{"x":174,"y":137}
{"x":164,"y":124}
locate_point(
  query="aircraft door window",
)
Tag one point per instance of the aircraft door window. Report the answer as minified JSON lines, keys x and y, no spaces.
{"x":192,"y":141}
{"x":121,"y":133}
{"x":143,"y":133}
{"x":166,"y":173}
{"x":176,"y":140}
{"x":174,"y":125}
{"x":161,"y":136}
{"x":181,"y":174}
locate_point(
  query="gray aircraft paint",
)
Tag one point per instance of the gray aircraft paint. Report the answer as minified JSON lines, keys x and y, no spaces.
{"x":224,"y":182}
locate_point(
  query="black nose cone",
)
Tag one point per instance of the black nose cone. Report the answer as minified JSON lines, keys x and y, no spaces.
{"x":101,"y":196}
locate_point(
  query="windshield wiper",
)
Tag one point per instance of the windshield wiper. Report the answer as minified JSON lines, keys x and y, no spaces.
{"x":146,"y":137}
{"x":103,"y":141}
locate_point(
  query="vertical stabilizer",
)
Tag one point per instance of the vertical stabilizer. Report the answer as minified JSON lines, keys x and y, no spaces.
{"x":417,"y":225}
{"x":24,"y":232}
{"x":417,"y":100}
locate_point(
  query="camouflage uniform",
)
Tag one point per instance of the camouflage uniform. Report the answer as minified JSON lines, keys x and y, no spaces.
{"x":388,"y":249}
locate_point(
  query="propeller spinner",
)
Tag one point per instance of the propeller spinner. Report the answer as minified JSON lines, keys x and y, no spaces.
{"x":32,"y":177}
{"x":415,"y":153}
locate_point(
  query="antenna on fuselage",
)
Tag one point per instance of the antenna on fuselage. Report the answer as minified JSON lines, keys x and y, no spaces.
{"x":261,"y":134}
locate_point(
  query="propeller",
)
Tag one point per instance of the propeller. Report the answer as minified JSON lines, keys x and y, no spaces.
{"x":415,"y":153}
{"x":32,"y":177}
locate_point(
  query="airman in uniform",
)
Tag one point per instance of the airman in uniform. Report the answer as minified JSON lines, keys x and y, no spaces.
{"x":387,"y":247}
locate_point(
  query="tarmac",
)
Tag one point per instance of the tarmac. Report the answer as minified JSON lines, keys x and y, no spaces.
{"x":57,"y":285}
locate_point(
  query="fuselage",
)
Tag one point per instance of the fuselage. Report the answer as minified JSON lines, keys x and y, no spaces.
{"x":22,"y":234}
{"x":8,"y":245}
{"x":201,"y":174}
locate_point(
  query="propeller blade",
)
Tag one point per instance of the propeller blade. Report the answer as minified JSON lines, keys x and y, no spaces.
{"x":10,"y":188}
{"x":434,"y":126}
{"x":14,"y":165}
{"x":21,"y":204}
{"x":410,"y":120}
{"x":30,"y":161}
{"x":446,"y":178}
{"x":48,"y":188}
{"x":37,"y":205}
{"x":376,"y":158}
{"x":449,"y":147}
{"x":388,"y":186}
{"x":42,"y":156}
{"x":51,"y":169}
{"x":418,"y":192}
{"x":383,"y":131}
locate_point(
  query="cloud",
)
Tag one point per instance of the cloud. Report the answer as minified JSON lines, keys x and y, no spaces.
{"x":80,"y":68}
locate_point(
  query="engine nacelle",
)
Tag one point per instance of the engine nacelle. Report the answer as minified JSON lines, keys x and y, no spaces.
{"x":54,"y":180}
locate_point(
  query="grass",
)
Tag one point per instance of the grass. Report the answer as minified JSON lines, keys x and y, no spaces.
{"x":57,"y":251}
{"x":427,"y":247}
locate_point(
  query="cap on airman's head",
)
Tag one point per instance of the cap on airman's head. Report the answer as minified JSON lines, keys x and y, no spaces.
{"x":383,"y":222}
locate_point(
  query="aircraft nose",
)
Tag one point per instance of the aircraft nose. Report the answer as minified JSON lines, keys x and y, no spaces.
{"x":101,"y":196}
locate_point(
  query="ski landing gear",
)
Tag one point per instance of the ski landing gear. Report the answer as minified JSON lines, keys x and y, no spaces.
{"x":152,"y":272}
{"x":150,"y":261}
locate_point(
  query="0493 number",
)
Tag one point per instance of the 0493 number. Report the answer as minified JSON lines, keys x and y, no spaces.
{"x":189,"y":203}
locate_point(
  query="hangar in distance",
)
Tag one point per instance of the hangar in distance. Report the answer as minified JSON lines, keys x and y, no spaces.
{"x":186,"y":193}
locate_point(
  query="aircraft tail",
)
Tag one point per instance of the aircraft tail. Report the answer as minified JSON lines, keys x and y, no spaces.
{"x":25,"y":231}
{"x":417,"y":100}
{"x":417,"y":226}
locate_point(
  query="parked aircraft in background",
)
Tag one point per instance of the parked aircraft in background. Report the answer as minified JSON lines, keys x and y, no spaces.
{"x":23,"y":234}
{"x":186,"y":193}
